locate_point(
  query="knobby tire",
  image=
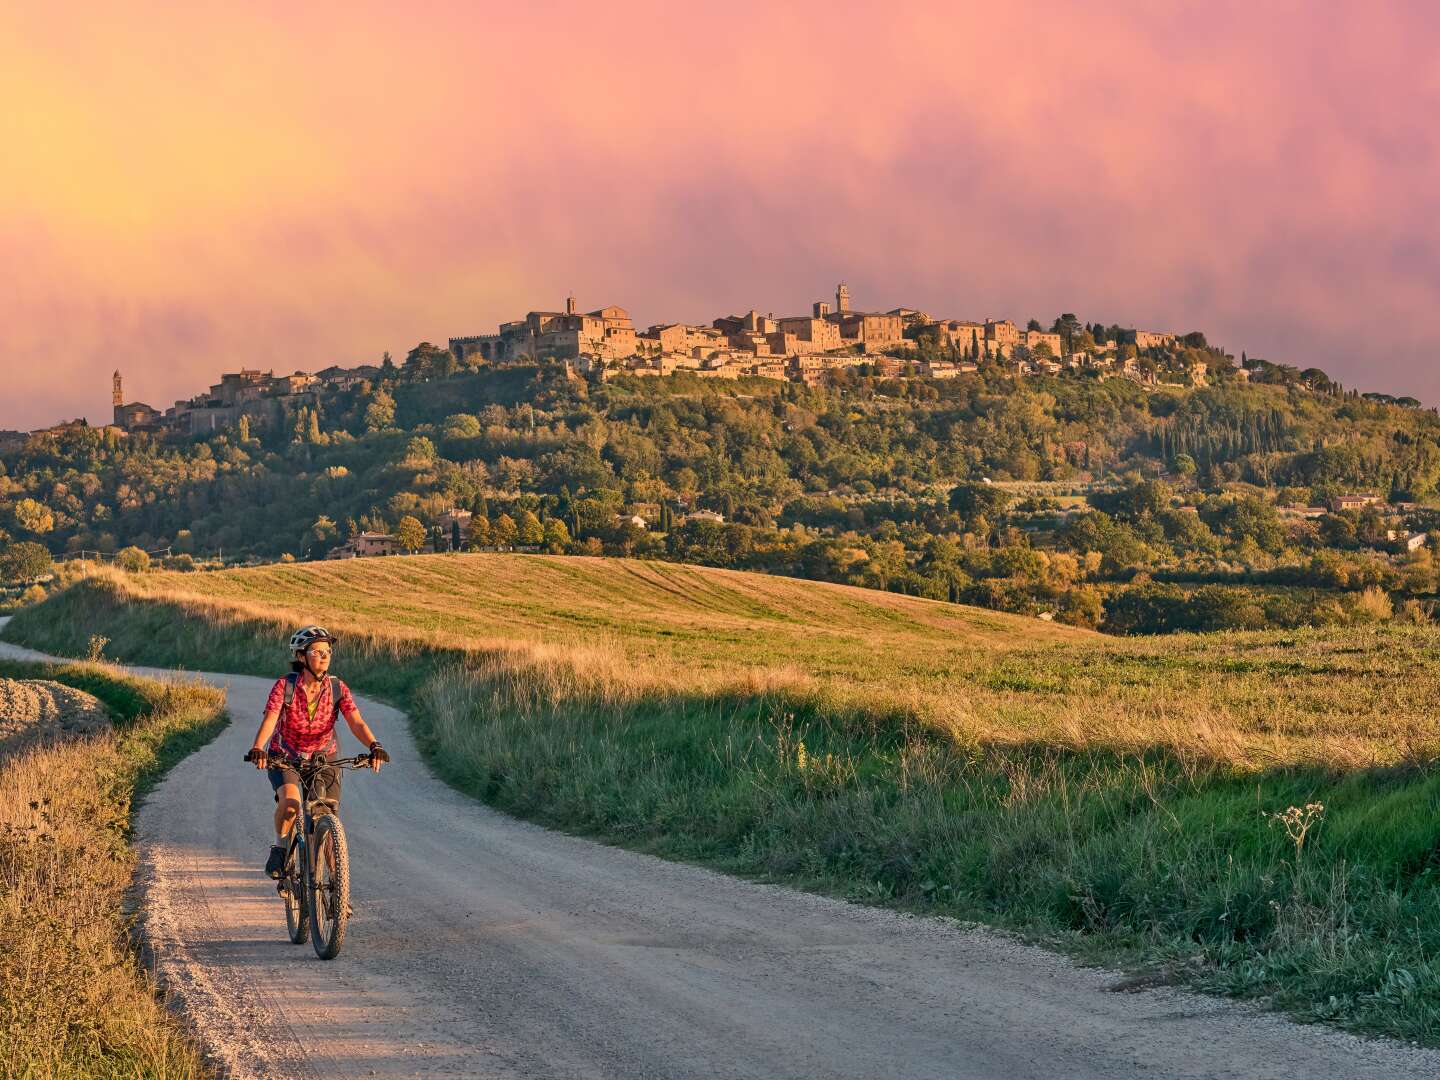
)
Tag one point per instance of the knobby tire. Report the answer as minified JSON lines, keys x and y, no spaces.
{"x":297,"y":888}
{"x":329,"y":892}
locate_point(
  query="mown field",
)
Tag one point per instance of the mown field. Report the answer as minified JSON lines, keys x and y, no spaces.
{"x":74,"y":1000}
{"x":1122,"y":799}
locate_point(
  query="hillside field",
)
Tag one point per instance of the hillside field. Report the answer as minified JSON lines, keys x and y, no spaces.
{"x":1120,"y":798}
{"x":1339,"y":697}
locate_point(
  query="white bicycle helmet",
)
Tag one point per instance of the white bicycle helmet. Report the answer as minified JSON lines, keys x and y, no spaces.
{"x":304,"y":638}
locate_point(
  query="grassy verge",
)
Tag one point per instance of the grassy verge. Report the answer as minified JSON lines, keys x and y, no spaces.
{"x":74,"y":1002}
{"x":1162,"y":847}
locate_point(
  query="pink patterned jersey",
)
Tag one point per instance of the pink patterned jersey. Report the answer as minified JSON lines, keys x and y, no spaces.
{"x":298,"y":730}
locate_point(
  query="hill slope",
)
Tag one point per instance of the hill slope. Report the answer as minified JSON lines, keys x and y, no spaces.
{"x":1337,"y":697}
{"x":651,"y":610}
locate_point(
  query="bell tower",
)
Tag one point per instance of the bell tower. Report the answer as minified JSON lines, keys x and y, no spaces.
{"x":117,"y":396}
{"x":842,"y":299}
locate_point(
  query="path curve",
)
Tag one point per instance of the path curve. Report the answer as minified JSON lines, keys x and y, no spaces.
{"x":485,"y":947}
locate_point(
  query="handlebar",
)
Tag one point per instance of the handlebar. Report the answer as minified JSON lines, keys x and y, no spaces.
{"x":315,"y":763}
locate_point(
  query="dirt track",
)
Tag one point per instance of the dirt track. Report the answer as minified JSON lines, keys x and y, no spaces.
{"x":485,"y":947}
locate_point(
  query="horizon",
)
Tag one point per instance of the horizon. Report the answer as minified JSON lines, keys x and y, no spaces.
{"x":206,"y":190}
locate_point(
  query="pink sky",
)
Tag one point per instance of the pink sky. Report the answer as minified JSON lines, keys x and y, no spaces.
{"x":187,"y":189}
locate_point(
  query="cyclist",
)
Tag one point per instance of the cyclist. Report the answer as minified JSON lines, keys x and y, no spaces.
{"x":300,"y":721}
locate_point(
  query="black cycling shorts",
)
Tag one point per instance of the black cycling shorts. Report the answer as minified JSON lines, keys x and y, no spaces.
{"x":325,"y":785}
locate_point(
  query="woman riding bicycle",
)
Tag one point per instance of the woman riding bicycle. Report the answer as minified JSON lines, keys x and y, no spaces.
{"x":300,"y":721}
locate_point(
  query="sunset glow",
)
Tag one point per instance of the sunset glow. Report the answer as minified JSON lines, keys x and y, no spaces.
{"x":189,"y":189}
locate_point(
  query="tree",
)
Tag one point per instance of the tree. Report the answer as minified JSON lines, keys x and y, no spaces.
{"x":132,"y":560}
{"x":504,"y":530}
{"x":557,"y":537}
{"x":479,"y":532}
{"x":462,"y":426}
{"x":321,"y":536}
{"x":970,"y":499}
{"x":420,"y":453}
{"x":243,"y":428}
{"x":34,"y":516}
{"x":455,"y":543}
{"x":380,"y":413}
{"x":410,"y":533}
{"x":427,"y":361}
{"x":1068,"y":327}
{"x":1146,"y":609}
{"x":25,"y":561}
{"x":529,"y":529}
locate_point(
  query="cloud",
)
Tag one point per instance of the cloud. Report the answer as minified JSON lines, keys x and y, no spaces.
{"x":266,"y":186}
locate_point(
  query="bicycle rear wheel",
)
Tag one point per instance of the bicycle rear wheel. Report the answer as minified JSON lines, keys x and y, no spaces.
{"x":294,"y":890}
{"x":329,"y":887}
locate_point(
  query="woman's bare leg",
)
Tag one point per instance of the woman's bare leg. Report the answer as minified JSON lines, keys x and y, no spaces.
{"x":287,"y":809}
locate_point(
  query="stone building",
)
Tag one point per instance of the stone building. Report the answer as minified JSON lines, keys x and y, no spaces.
{"x":872,"y":331}
{"x":814,"y":334}
{"x":338,"y":378}
{"x":607,"y":333}
{"x":1147,"y":339}
{"x":1001,"y":336}
{"x":365,"y":545}
{"x":134,"y":415}
{"x":681,"y":339}
{"x":751,"y":322}
{"x":1032,"y":339}
{"x":490,"y":348}
{"x":965,"y":336}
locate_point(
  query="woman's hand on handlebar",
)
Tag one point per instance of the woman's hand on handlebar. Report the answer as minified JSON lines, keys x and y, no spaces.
{"x":377,"y":756}
{"x":258,"y":756}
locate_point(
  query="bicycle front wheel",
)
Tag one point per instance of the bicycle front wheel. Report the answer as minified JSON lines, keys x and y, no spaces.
{"x":329,"y":887}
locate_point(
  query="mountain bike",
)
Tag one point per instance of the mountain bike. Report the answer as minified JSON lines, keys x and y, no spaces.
{"x":315,"y":883}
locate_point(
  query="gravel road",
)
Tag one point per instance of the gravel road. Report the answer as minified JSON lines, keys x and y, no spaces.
{"x":485,"y":947}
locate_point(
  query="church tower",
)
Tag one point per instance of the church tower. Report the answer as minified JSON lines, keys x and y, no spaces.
{"x":842,"y":299}
{"x":117,"y":396}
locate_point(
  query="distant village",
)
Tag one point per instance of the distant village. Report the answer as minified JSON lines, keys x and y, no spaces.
{"x":604,"y":343}
{"x":801,"y":348}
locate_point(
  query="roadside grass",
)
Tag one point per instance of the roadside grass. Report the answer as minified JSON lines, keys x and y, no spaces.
{"x":74,"y":999}
{"x":1117,"y":799}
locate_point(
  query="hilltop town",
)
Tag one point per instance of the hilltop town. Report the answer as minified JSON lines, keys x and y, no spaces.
{"x":808,"y":349}
{"x":803,"y":348}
